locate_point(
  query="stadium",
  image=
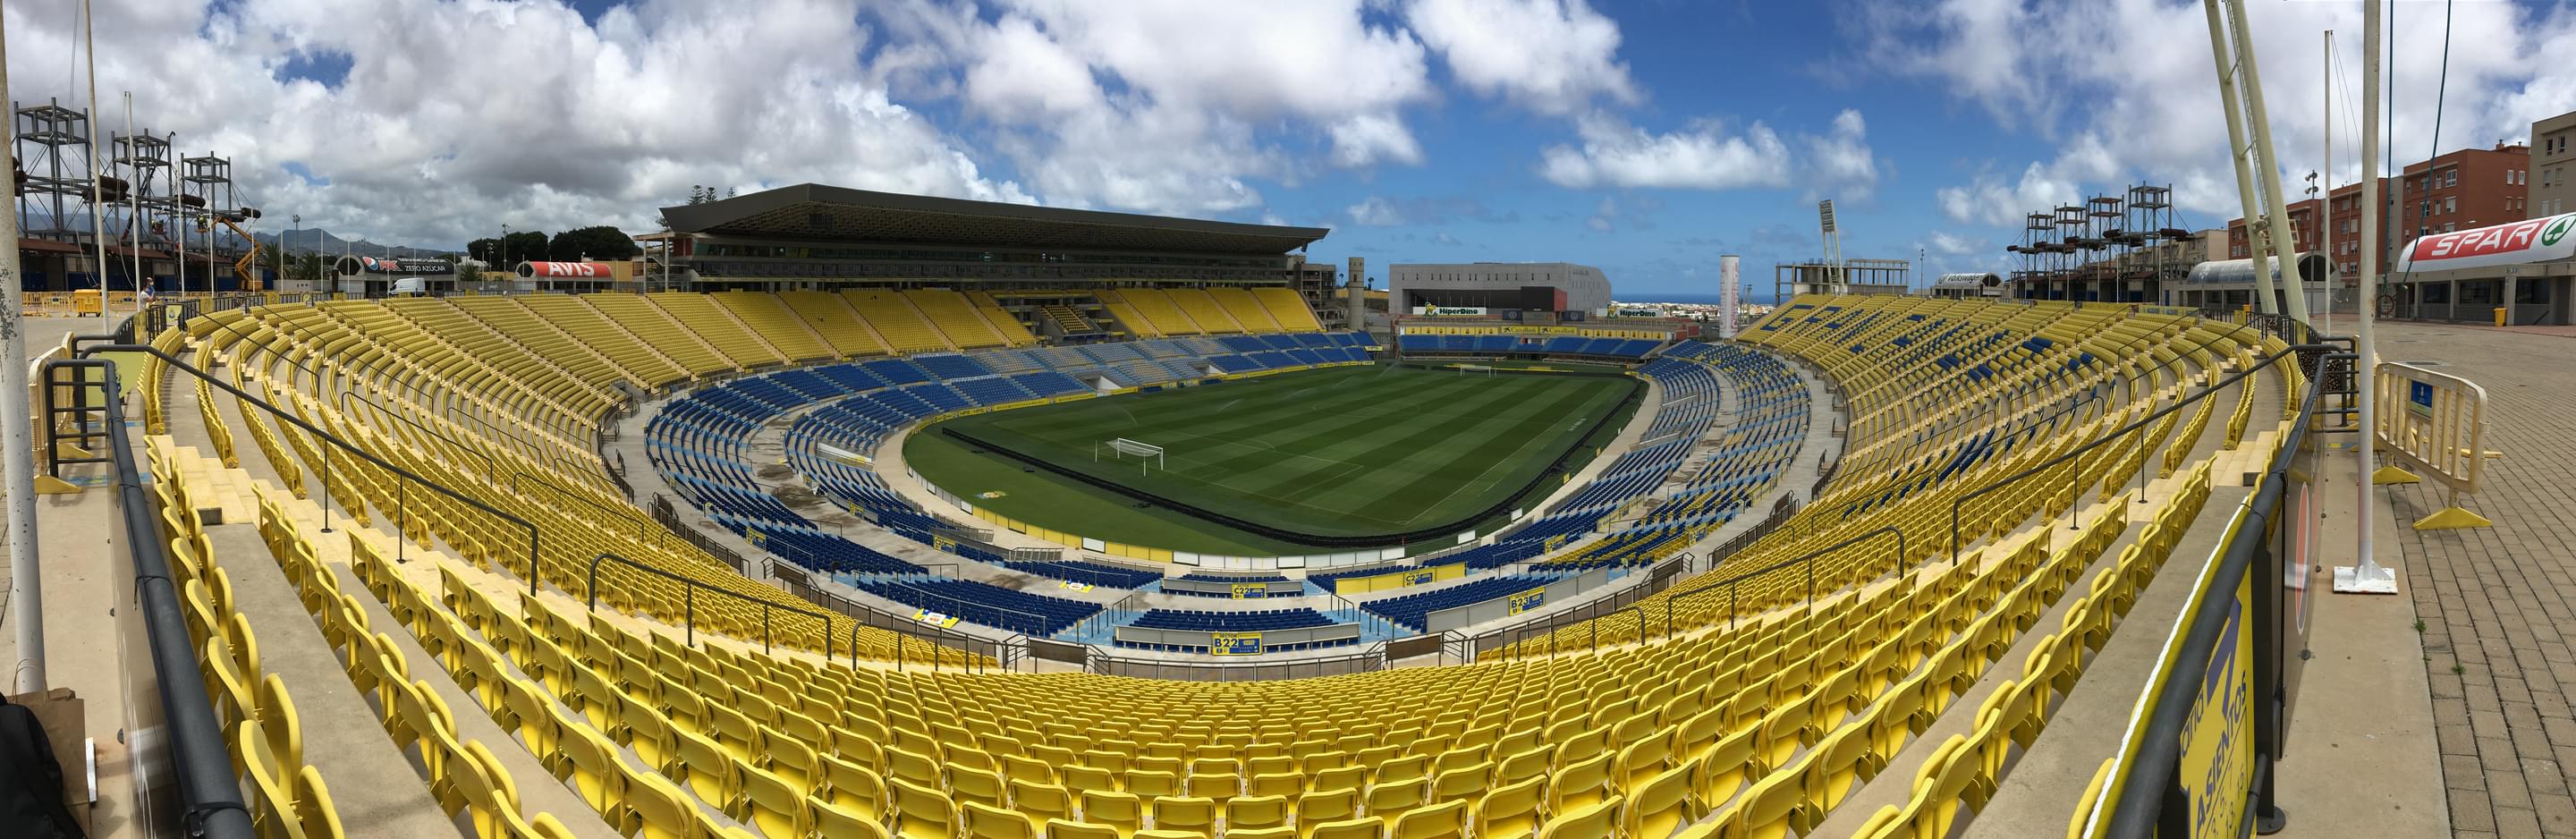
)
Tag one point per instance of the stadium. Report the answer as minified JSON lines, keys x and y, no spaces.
{"x":865,"y":514}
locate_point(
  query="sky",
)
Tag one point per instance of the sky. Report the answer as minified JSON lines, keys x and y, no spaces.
{"x":1644,"y":137}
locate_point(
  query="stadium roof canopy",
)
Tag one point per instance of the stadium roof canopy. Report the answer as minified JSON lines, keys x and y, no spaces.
{"x":813,"y":211}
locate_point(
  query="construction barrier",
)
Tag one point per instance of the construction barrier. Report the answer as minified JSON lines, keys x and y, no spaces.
{"x":2431,"y":423}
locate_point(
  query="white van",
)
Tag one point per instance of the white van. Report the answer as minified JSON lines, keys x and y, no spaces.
{"x":409,"y":287}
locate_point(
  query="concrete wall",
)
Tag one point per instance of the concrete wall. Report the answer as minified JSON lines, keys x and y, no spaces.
{"x":1269,"y":638}
{"x":1501,"y":607}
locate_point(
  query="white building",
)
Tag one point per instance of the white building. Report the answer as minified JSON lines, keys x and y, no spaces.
{"x":1497,"y":285}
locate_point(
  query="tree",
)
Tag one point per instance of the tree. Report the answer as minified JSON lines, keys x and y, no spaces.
{"x":600,"y":242}
{"x":505,"y":253}
{"x":467,"y":274}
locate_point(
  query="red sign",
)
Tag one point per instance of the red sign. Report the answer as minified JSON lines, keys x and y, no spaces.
{"x":2533,"y":240}
{"x":563,"y":269}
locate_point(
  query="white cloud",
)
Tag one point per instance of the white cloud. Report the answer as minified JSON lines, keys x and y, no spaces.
{"x":1948,"y":244}
{"x":1375,"y":212}
{"x":2129,"y":88}
{"x":1840,"y":163}
{"x":1550,"y":56}
{"x":1369,"y":138}
{"x":1700,"y":156}
{"x":1603,"y":215}
{"x":1152,"y":104}
{"x":419,"y":145}
{"x":1443,"y":238}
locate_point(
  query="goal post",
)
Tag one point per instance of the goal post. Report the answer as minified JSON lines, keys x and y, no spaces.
{"x":1473,"y":369}
{"x":1148,"y":456}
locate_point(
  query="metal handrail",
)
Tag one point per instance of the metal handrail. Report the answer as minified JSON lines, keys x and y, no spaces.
{"x":491,"y":467}
{"x":689,"y":605}
{"x":534,"y":556}
{"x":1673,"y":604}
{"x":641,"y":521}
{"x":1098,"y":661}
{"x":2139,"y":424}
{"x":2143,"y":793}
{"x":208,"y":790}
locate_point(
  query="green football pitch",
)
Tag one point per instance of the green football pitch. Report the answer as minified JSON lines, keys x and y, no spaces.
{"x":1350,"y":452}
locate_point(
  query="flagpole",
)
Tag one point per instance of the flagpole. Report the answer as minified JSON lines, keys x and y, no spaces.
{"x":2366,"y":575}
{"x":17,"y":435}
{"x":97,"y":223}
{"x":133,"y":207}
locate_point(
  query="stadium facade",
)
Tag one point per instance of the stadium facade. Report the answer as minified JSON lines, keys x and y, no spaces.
{"x":812,"y":236}
{"x":1494,"y":285}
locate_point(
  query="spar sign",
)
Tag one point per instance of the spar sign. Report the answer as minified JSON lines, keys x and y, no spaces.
{"x":2534,"y":240}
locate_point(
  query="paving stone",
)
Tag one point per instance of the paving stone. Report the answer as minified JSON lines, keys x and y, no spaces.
{"x":2500,"y":602}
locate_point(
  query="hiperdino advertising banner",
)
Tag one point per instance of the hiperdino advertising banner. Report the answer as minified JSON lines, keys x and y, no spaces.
{"x":1450,"y":311}
{"x":2217,"y":763}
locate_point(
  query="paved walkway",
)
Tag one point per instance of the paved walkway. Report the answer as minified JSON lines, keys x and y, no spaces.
{"x":2499,"y":603}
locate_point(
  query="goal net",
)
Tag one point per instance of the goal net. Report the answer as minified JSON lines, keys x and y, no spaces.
{"x":1148,"y":456}
{"x":1475,"y":369}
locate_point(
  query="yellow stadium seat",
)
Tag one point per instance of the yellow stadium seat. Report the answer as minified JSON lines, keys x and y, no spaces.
{"x":1278,"y":832}
{"x":974,"y":785}
{"x":1367,"y":828}
{"x":1439,"y":821}
{"x":1510,"y":812}
{"x":1061,"y":829}
{"x":1597,"y":819}
{"x":1119,"y":810}
{"x":1580,"y":785}
{"x":772,"y":805}
{"x":1318,"y":808}
{"x":314,"y":812}
{"x":1839,"y":763}
{"x":1391,"y":799}
{"x":834,"y":822}
{"x":983,"y":821}
{"x":920,"y":812}
{"x":1041,"y":802}
{"x":654,"y":807}
{"x":1255,"y":811}
{"x":1194,"y":816}
{"x":1660,"y":806}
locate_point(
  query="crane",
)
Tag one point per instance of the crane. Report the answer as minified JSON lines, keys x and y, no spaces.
{"x":246,"y":268}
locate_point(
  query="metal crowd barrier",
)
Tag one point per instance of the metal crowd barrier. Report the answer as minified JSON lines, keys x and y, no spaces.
{"x":2434,"y":423}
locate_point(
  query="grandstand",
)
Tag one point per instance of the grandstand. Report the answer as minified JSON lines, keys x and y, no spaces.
{"x":443,"y":552}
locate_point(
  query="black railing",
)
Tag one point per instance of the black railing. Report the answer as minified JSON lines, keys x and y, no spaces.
{"x":210,"y":796}
{"x":1733,"y":583}
{"x":1101,"y":662}
{"x":689,"y":606}
{"x":2138,"y":426}
{"x":906,"y":629}
{"x":668,"y":516}
{"x":81,"y":345}
{"x":2154,"y":800}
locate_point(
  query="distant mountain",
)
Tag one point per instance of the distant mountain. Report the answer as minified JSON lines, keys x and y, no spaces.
{"x":317,"y":239}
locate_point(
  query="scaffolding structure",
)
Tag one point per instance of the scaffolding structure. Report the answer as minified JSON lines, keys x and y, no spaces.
{"x":2111,"y":247}
{"x":143,"y":195}
{"x":53,"y":166}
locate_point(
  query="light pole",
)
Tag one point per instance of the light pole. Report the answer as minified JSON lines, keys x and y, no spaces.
{"x":297,"y":220}
{"x":505,"y":247}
